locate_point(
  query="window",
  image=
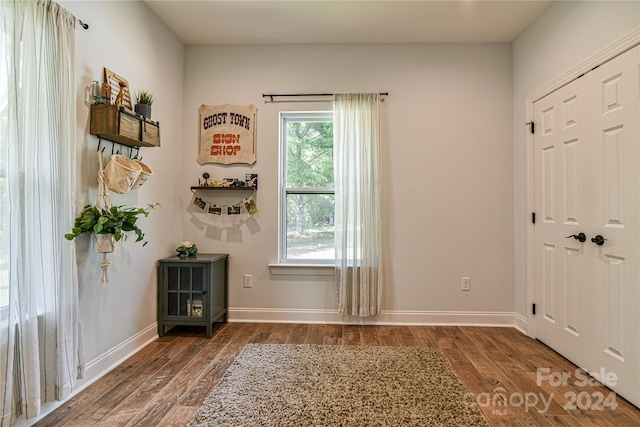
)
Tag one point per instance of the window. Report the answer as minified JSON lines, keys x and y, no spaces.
{"x":306,"y":187}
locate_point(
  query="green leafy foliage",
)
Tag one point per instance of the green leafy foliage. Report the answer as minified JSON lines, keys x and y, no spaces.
{"x":117,"y":221}
{"x":309,"y":165}
{"x":144,"y":97}
{"x":310,"y":154}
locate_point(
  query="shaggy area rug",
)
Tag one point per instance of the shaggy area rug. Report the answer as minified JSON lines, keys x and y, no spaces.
{"x":314,"y":385}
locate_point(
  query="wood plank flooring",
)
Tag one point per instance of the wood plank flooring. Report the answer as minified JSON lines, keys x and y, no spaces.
{"x":165,"y":383}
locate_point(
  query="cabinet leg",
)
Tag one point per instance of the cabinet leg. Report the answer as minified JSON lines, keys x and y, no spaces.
{"x":160,"y":329}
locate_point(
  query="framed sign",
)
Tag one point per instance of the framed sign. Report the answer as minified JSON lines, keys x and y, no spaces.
{"x":227,"y":134}
{"x":114,"y":81}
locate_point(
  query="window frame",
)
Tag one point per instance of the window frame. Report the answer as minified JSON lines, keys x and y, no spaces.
{"x":284,"y":191}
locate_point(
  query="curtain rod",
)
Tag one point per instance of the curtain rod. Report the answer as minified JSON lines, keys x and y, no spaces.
{"x":306,"y":95}
{"x":83,"y":25}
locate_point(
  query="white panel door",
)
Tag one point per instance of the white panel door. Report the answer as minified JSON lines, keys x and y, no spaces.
{"x":615,"y":283}
{"x":587,"y":180}
{"x":562,"y":213}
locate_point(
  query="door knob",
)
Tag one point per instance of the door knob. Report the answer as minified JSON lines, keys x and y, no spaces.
{"x":580,"y":236}
{"x":598,"y":240}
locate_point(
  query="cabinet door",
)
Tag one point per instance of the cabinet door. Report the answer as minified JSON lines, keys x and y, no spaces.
{"x":185,"y":287}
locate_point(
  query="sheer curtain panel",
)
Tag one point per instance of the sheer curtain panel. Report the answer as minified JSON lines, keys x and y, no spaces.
{"x":39,"y":352}
{"x":356,"y":133}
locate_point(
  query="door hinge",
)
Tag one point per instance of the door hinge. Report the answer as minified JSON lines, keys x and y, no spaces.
{"x":533,"y":309}
{"x":533,"y":217}
{"x":532,"y":126}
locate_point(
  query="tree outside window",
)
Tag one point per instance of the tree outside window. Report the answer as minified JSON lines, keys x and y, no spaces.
{"x":307,"y":188}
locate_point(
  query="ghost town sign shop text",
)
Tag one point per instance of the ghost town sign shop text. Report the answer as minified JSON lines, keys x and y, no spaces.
{"x":227,"y":134}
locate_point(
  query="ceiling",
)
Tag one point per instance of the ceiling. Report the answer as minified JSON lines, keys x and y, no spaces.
{"x":210,"y":22}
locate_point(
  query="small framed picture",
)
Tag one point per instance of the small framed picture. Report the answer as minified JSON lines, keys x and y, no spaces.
{"x":215,"y":210}
{"x":251,"y":180}
{"x":233,"y":210}
{"x":250,"y":204}
{"x":198,"y":202}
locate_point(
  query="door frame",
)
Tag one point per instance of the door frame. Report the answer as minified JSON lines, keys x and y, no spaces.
{"x":620,"y":46}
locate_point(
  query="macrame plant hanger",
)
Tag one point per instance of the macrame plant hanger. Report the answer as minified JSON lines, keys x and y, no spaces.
{"x":104,"y":243}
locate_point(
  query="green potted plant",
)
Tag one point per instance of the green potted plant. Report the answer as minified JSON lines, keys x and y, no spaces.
{"x":144,"y":100}
{"x":115,"y":221}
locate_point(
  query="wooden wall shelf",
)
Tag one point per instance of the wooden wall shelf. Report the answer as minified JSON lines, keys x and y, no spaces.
{"x":224,"y":188}
{"x":123,"y":126}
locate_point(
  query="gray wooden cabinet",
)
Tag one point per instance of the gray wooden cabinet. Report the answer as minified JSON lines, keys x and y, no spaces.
{"x":192,"y":291}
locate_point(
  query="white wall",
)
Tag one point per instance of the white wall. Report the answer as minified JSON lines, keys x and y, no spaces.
{"x":446,"y":161}
{"x":567,"y":34}
{"x":128,"y":39}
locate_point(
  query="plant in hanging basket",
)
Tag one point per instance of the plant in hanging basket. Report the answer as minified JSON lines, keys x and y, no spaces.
{"x":117,"y":221}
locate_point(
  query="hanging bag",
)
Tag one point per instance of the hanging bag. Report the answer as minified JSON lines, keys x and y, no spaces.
{"x":145,"y":173}
{"x":121,"y":173}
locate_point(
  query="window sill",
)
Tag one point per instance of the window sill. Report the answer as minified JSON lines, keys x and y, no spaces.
{"x":303,"y":269}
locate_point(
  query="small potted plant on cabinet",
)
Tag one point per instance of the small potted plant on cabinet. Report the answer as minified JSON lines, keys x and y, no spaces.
{"x":144,"y":100}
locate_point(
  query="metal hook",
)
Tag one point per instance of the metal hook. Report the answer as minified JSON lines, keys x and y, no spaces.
{"x":99,"y":143}
{"x":112,"y":147}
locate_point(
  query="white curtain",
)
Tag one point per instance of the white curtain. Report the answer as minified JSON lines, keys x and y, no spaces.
{"x":356,"y":134}
{"x":39,"y":351}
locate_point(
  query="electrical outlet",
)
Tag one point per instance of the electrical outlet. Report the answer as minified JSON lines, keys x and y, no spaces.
{"x":466,"y":283}
{"x":248,"y":281}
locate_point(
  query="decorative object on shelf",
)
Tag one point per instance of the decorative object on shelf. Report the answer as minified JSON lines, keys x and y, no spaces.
{"x":117,"y":84}
{"x":205,"y":181}
{"x":186,"y":249}
{"x":105,"y":93}
{"x":251,"y":182}
{"x":97,"y":93}
{"x":227,"y":134}
{"x":120,"y":97}
{"x":103,"y":219}
{"x":144,"y":100}
{"x":251,"y":179}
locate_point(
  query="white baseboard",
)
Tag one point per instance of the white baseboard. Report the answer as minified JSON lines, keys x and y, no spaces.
{"x":118,"y":354}
{"x":387,"y":317}
{"x":520,"y":323}
{"x":100,"y":366}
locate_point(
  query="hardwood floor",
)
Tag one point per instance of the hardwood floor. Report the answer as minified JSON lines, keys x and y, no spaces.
{"x":165,"y":383}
